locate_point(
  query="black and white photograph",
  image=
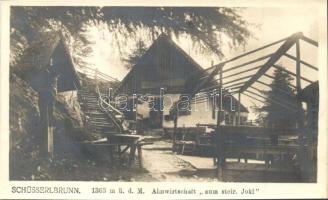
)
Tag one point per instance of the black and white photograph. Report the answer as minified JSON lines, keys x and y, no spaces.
{"x":165,"y":93}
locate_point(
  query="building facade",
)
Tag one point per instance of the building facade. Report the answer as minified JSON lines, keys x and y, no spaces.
{"x":163,"y":77}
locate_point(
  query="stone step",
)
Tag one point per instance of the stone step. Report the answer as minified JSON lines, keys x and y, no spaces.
{"x":88,"y":97}
{"x":101,"y":122}
{"x":91,"y":113}
{"x":91,"y":98}
{"x":100,"y":118}
{"x":93,"y":106}
{"x":110,"y":132}
{"x":101,"y":127}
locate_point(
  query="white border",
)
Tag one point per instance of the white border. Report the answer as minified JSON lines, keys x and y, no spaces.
{"x":267,"y":190}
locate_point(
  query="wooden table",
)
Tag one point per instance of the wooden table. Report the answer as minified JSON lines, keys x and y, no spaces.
{"x":130,"y":142}
{"x":114,"y":142}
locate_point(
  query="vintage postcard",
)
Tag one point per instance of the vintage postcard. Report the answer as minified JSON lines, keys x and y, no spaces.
{"x":163,"y":99}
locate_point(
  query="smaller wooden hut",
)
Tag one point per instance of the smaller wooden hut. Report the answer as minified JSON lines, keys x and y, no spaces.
{"x":48,"y":67}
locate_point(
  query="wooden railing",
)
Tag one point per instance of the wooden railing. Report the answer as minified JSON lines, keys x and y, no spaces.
{"x":95,"y":74}
{"x":111,"y":111}
{"x":101,"y":79}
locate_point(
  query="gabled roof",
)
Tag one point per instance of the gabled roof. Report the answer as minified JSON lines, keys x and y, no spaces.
{"x":180,"y":62}
{"x":136,"y":75}
{"x":37,"y":58}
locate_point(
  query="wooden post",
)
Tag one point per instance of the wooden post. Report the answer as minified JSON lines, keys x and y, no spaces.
{"x":301,"y":137}
{"x":43,"y":135}
{"x":175,"y":118}
{"x":46,"y":121}
{"x":50,"y":131}
{"x":219,"y":137}
{"x":298,"y":82}
{"x":298,"y":67}
{"x":132,"y":153}
{"x":46,"y":93}
{"x":96,"y":76}
{"x":140,"y":156}
{"x":239,"y":99}
{"x":220,"y":152}
{"x":50,"y":107}
{"x":218,"y":122}
{"x":135,"y":106}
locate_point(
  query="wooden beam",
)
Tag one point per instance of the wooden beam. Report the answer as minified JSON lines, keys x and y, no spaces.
{"x":239,"y":99}
{"x":260,"y":168}
{"x":237,"y":79}
{"x":309,"y":40}
{"x":254,"y":98}
{"x":271,"y":86}
{"x":255,"y":50}
{"x":291,"y":107}
{"x":239,"y":66}
{"x":248,"y":63}
{"x":221,"y":72}
{"x":298,"y":68}
{"x":219,"y":111}
{"x":273,"y":59}
{"x":257,"y":131}
{"x":208,"y":79}
{"x":238,"y":73}
{"x":291,"y":73}
{"x":265,"y":149}
{"x":267,"y":75}
{"x":240,"y":83}
{"x":266,"y":84}
{"x":233,"y":88}
{"x":302,"y":62}
{"x":198,"y":101}
{"x":201,"y":97}
{"x":210,"y":88}
{"x":230,"y":91}
{"x":284,"y":102}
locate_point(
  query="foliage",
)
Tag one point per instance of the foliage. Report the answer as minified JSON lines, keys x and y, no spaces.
{"x":138,"y":52}
{"x":281,"y":108}
{"x":209,"y":27}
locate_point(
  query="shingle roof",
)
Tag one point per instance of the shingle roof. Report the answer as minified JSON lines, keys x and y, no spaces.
{"x":37,"y":57}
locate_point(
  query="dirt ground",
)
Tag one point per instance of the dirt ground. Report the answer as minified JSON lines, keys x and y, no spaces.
{"x":159,"y":164}
{"x":164,"y":165}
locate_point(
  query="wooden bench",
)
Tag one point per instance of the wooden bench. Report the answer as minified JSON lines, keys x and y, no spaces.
{"x":114,"y":144}
{"x":256,"y":143}
{"x":187,"y":139}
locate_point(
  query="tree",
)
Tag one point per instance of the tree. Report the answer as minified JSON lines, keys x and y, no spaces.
{"x":281,"y":107}
{"x":206,"y":26}
{"x":134,"y":58}
{"x":209,"y":28}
